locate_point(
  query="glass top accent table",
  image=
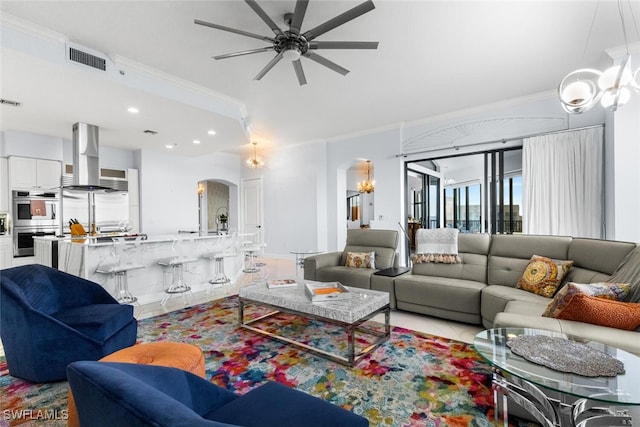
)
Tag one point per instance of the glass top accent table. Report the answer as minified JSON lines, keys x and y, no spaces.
{"x":300,"y":256}
{"x":557,"y":398}
{"x":350,"y":315}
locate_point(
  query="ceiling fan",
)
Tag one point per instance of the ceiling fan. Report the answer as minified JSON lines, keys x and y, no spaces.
{"x":292,"y":43}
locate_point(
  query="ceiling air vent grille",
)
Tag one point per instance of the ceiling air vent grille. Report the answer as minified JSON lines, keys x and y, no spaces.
{"x":87,"y":59}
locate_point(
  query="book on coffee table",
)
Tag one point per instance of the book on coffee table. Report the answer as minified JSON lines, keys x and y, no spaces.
{"x":281,"y":283}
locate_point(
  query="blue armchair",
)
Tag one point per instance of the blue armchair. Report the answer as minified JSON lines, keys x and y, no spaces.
{"x":126,"y":395}
{"x":49,"y":319}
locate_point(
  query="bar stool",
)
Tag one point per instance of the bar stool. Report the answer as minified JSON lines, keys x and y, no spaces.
{"x":176,"y":264}
{"x":120,"y":270}
{"x":222,"y":251}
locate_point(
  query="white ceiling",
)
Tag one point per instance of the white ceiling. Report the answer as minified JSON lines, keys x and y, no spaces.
{"x":434,"y":57}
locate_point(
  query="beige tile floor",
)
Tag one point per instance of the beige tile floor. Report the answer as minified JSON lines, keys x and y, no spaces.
{"x":279,"y":268}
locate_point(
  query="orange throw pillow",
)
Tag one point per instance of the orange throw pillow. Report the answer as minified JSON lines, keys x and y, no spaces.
{"x":603,"y":312}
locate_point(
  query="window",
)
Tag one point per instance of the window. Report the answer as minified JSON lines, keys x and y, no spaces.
{"x":481,"y":192}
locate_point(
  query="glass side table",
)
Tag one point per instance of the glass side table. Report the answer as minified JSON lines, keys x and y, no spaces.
{"x":300,"y":256}
{"x":557,"y":398}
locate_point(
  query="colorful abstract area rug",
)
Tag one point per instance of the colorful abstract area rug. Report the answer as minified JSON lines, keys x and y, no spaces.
{"x":414,"y":379}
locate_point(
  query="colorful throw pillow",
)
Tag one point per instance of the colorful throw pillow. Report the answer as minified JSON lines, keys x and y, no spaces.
{"x":543,"y":275}
{"x":604,"y":312}
{"x":611,"y":291}
{"x":361,"y":259}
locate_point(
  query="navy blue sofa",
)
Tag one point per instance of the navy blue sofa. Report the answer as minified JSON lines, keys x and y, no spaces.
{"x":49,"y":319}
{"x":126,"y":395}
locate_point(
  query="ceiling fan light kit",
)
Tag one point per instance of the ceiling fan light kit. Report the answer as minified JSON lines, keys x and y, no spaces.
{"x":292,"y":44}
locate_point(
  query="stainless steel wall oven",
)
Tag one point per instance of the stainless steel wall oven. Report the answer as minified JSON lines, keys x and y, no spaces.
{"x":34,"y":214}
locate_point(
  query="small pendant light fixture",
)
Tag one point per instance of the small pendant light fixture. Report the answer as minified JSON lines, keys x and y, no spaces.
{"x":255,"y":161}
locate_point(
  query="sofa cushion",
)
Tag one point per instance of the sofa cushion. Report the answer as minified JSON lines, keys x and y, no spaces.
{"x":615,"y":291}
{"x":510,"y":254}
{"x":361,"y":260}
{"x":629,"y":272}
{"x":444,"y":293}
{"x":383,"y":242}
{"x":600,"y":311}
{"x":543,"y":276}
{"x":496,"y":297}
{"x":348,"y":276}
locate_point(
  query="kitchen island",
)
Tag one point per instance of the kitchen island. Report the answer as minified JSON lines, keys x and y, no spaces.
{"x":148,"y":261}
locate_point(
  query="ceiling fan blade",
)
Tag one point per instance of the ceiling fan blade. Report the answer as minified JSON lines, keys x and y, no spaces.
{"x":268,"y":67}
{"x":343,"y":45}
{"x":244,"y":52}
{"x":261,"y":13}
{"x":233,"y":30}
{"x":339,"y":20}
{"x":324,"y":61}
{"x":297,"y":66}
{"x":298,"y":16}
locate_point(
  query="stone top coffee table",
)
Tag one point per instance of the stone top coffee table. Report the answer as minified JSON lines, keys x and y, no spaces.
{"x":351,"y":315}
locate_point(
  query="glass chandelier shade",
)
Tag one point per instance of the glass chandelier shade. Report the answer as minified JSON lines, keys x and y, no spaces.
{"x":255,"y":161}
{"x":367,"y":186}
{"x":580,"y":90}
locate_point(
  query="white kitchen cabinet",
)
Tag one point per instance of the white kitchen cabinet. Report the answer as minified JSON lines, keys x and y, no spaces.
{"x":28,"y":174}
{"x":4,"y":185}
{"x":6,"y":251}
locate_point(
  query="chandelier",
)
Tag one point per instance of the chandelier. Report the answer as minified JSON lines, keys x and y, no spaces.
{"x":368,"y":185}
{"x":581,"y":89}
{"x":255,"y":161}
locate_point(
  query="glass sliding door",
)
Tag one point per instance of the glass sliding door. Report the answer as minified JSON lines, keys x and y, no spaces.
{"x":475,"y":193}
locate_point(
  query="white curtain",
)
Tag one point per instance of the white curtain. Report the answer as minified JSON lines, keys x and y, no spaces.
{"x":562,"y":184}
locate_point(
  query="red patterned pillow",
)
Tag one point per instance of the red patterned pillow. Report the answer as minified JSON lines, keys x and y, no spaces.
{"x":604,"y":312}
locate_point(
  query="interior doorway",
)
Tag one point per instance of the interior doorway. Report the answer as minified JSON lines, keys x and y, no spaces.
{"x":218,"y":203}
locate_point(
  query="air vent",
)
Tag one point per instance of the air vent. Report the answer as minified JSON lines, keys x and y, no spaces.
{"x":10,"y":102}
{"x":150,"y":132}
{"x":87,"y":59}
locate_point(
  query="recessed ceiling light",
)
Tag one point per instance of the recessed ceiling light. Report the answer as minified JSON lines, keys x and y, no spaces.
{"x":170,"y":146}
{"x":212,"y":132}
{"x":195,"y":141}
{"x":133,"y":110}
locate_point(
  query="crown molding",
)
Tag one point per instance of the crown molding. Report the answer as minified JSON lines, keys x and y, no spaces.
{"x":28,"y":27}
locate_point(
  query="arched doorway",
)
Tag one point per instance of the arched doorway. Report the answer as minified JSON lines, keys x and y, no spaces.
{"x":218,"y":206}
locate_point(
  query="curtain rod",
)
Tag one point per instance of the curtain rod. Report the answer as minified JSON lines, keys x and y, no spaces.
{"x":504,"y":140}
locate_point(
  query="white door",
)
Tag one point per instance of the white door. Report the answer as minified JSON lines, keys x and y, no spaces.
{"x":252,"y":209}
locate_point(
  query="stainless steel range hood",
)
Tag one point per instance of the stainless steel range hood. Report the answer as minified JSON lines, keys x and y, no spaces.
{"x":86,"y":167}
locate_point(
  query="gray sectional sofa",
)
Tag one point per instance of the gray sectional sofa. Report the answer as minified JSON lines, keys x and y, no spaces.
{"x":482,"y":288}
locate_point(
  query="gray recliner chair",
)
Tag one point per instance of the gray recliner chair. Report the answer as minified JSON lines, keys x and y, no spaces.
{"x":330,"y":267}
